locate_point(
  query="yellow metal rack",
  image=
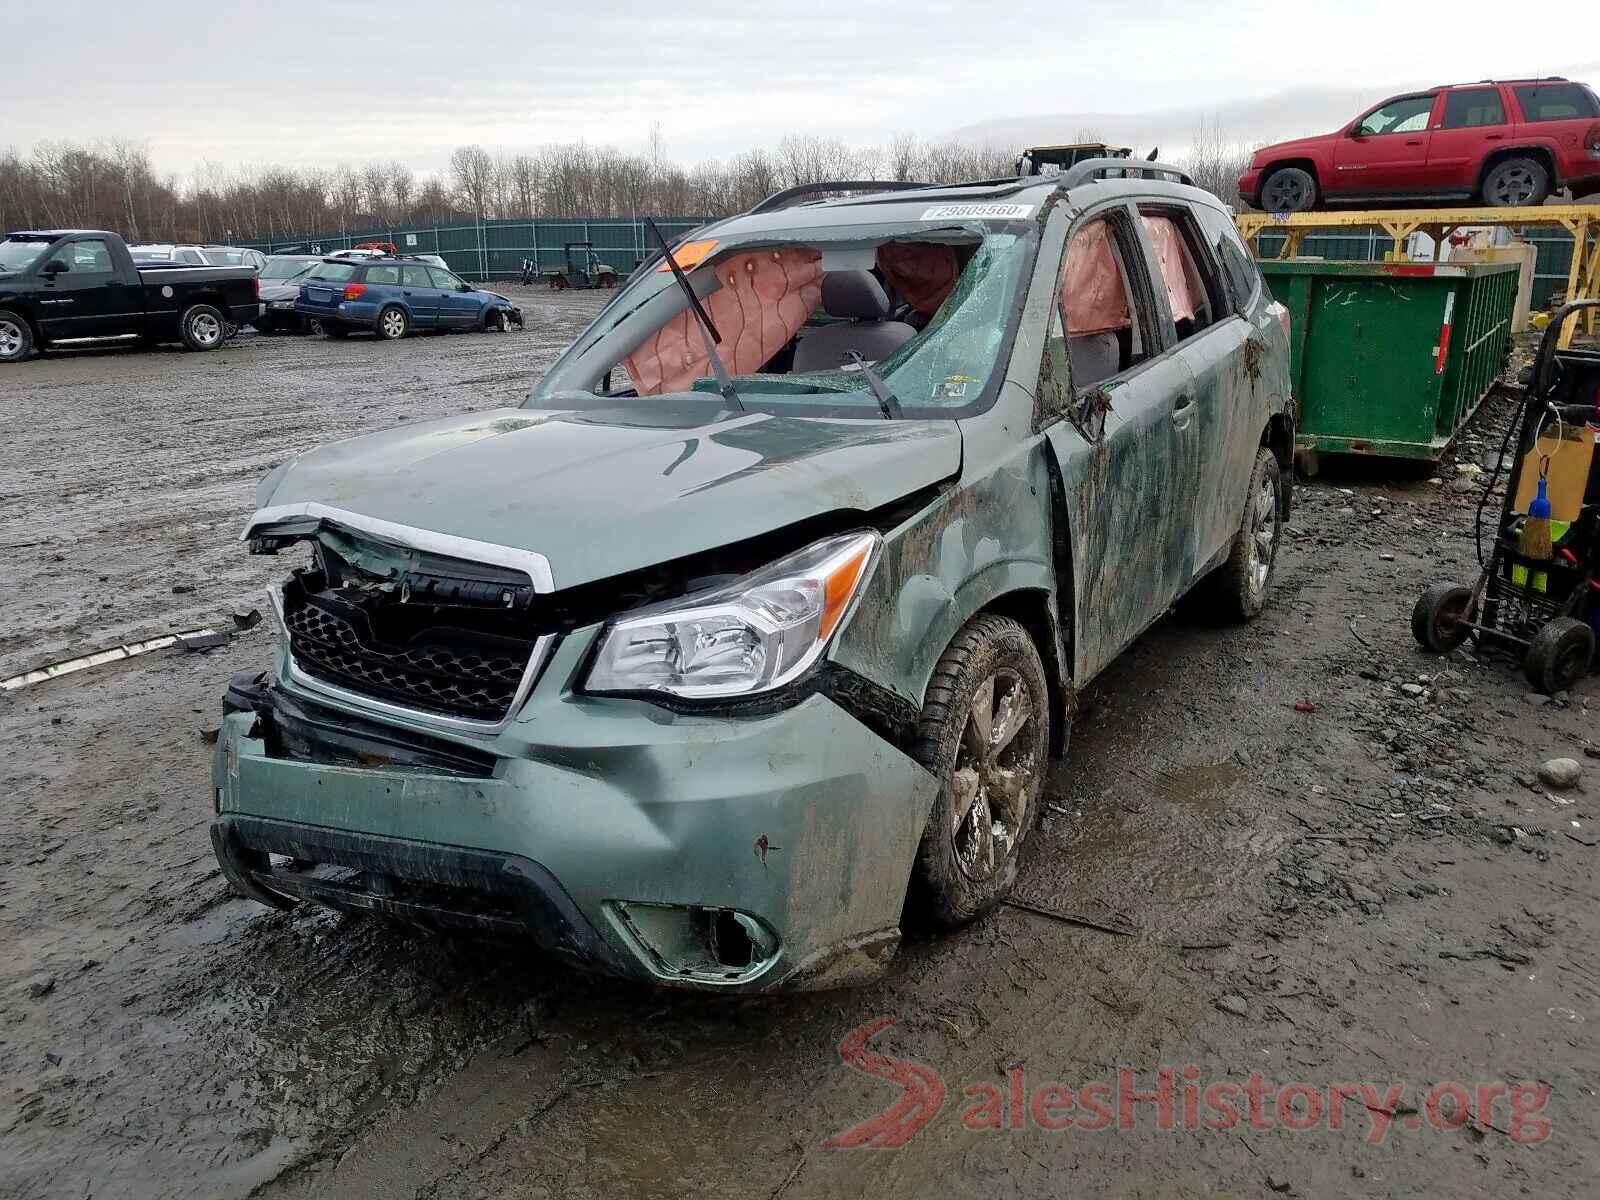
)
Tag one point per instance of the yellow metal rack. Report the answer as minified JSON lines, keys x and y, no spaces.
{"x":1582,"y":221}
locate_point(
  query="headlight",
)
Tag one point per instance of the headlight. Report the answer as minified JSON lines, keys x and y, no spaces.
{"x":755,"y":635}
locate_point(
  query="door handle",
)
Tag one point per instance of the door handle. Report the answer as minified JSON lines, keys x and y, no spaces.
{"x":1414,"y":142}
{"x":1494,"y":137}
{"x":1182,"y":407}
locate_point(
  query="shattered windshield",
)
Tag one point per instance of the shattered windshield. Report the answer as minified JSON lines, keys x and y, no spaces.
{"x":922,"y":315}
{"x":17,"y":255}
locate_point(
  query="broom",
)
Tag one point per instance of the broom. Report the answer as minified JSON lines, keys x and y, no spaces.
{"x":1533,"y":541}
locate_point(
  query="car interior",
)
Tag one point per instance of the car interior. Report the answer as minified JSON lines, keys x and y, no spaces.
{"x":796,"y":309}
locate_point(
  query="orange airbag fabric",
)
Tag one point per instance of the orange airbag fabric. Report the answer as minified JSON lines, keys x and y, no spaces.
{"x":1092,"y":293}
{"x":924,"y":273}
{"x":765,"y":297}
{"x":1184,"y":292}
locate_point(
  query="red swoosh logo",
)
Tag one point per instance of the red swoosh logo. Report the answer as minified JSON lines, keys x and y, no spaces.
{"x":921,"y":1093}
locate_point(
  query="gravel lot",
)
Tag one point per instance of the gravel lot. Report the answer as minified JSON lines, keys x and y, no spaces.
{"x":1375,"y":891}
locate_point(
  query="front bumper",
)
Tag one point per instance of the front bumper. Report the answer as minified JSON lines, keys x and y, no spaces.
{"x":1249,"y":186}
{"x":618,"y":834}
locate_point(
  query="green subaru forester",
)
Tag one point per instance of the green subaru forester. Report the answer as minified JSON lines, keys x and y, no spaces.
{"x":750,"y":636}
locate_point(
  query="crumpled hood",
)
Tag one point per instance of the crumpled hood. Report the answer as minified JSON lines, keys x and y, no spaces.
{"x":280,"y":291}
{"x":599,"y":494}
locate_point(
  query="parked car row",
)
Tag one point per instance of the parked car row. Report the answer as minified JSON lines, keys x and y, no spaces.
{"x":66,"y":288}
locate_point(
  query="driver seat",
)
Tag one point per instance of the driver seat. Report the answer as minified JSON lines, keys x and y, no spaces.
{"x":858,"y":300}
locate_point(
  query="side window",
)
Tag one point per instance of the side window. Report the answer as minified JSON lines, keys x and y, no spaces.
{"x":383,"y":274}
{"x":1406,"y":115}
{"x":192,"y":257}
{"x":443,"y":279}
{"x":1557,"y":102}
{"x":1472,"y":108}
{"x":1106,"y":326}
{"x":90,"y":256}
{"x":415,"y":277}
{"x":1239,"y":272}
{"x":1194,"y":292}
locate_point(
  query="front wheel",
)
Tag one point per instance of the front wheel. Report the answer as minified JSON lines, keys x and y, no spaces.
{"x":984,"y":733}
{"x":1289,"y":190}
{"x":1516,"y":183}
{"x":16,"y":338}
{"x":497,"y":322}
{"x":393,"y":324}
{"x":201,"y":327}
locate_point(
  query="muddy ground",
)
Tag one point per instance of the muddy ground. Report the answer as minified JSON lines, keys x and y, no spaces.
{"x":1377,"y":891}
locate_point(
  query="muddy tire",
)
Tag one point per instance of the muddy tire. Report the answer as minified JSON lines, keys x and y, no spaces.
{"x":1559,"y":655}
{"x":1516,"y":183}
{"x":16,"y":337}
{"x":202,"y":327}
{"x":393,"y":323}
{"x":984,"y":733}
{"x":1289,"y":189}
{"x":1438,"y":621}
{"x":497,"y":322}
{"x":1237,"y":590}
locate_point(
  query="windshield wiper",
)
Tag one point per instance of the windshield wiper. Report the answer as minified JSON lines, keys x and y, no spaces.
{"x":880,"y":389}
{"x":708,"y":331}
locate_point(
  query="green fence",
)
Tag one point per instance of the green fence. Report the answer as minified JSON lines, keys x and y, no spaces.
{"x":1553,"y":253}
{"x":495,"y":249}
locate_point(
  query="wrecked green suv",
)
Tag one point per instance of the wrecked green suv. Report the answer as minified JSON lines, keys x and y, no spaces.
{"x":751,"y":634}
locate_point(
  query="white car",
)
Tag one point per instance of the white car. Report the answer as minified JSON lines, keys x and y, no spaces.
{"x":200,"y":256}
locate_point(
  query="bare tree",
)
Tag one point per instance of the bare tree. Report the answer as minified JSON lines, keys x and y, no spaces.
{"x":473,"y":171}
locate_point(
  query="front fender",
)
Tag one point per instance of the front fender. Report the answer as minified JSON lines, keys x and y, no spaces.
{"x":977,"y":543}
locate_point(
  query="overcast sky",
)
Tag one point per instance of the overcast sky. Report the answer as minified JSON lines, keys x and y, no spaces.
{"x":347,"y":81}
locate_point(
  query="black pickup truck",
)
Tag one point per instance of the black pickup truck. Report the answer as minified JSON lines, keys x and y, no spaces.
{"x":69,"y":287}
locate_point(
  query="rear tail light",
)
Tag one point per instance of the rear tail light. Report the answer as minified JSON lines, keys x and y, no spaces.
{"x":354,"y":291}
{"x":256,"y":282}
{"x":1282,"y":314}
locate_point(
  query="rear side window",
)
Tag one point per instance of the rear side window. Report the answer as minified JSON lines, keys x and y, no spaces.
{"x":332,"y":272}
{"x":416,"y":277}
{"x":1557,"y":102}
{"x":383,"y":274}
{"x":192,"y":257}
{"x":1186,"y":270}
{"x":1471,"y":108}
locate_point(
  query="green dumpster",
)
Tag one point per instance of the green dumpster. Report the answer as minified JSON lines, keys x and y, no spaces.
{"x":1391,"y":359}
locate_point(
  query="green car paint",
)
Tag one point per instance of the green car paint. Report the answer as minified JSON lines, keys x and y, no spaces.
{"x":648,"y":834}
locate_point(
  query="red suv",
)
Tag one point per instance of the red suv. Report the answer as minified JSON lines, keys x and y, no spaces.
{"x":1501,"y":143}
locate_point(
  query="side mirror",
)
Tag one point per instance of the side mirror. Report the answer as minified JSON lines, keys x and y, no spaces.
{"x":465,"y":287}
{"x":54,"y":267}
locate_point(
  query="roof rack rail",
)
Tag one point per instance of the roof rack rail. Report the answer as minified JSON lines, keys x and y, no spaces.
{"x":789,"y":195}
{"x":1120,"y":168}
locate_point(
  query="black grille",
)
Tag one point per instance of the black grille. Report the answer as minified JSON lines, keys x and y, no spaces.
{"x":454,"y":678}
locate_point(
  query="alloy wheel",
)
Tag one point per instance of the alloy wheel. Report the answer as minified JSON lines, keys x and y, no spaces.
{"x":394,"y":323}
{"x":10,"y":339}
{"x":1286,"y":193}
{"x":1514,"y":186}
{"x":207,"y":329}
{"x":1263,"y":535}
{"x":992,"y":778}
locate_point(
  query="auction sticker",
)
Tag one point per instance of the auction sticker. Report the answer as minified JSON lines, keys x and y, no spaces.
{"x":996,"y":212}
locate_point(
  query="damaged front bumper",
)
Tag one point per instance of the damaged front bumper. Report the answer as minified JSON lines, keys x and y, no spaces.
{"x":742,"y":852}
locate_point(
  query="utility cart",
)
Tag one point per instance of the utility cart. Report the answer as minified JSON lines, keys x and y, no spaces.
{"x":1545,"y":609}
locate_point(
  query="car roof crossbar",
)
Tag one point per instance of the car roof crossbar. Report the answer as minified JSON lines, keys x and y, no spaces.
{"x":788,"y":196}
{"x":1121,"y":168}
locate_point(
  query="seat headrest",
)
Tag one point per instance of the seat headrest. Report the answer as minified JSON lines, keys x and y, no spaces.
{"x":854,"y":295}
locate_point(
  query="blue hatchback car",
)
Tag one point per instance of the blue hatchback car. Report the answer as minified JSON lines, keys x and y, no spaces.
{"x":393,"y":296}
